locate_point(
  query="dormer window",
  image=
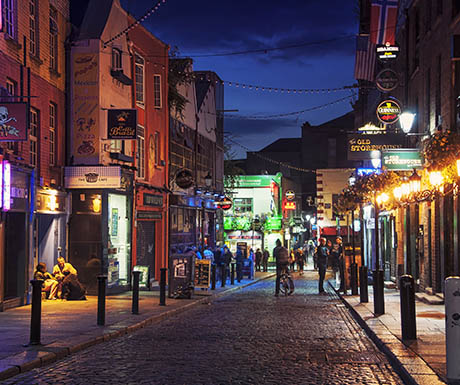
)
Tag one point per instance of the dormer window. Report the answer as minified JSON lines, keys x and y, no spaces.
{"x":116,"y":59}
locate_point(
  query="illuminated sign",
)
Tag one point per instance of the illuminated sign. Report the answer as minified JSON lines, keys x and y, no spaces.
{"x":387,"y":52}
{"x":290,"y":195}
{"x":1,"y":16}
{"x":360,"y":146}
{"x":225,"y":204}
{"x":405,"y":159}
{"x":14,"y":121}
{"x":388,"y":111}
{"x":289,"y":206}
{"x":367,"y":171}
{"x":273,"y":223}
{"x":6,"y":186}
{"x":122,"y":124}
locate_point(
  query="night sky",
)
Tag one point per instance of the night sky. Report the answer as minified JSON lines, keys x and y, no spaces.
{"x":322,"y":30}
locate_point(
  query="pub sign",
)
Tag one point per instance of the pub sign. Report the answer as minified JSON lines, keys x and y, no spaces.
{"x":360,"y":146}
{"x":122,"y":124}
{"x":404,"y":159}
{"x":14,"y":121}
{"x":388,"y":111}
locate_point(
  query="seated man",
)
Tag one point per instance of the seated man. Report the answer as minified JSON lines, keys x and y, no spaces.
{"x":50,"y":285}
{"x":62,"y":272}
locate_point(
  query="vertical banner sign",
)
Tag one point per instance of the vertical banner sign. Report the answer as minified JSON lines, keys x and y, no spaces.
{"x":85,"y":120}
{"x":6,"y":186}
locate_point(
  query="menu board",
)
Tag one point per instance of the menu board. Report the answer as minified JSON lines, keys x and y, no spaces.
{"x":202,"y":277}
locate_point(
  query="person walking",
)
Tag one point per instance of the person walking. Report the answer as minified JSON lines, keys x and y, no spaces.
{"x":239,"y":264}
{"x":337,"y":260}
{"x":300,"y":259}
{"x":265,"y":257}
{"x":322,"y":255}
{"x":225,"y":262}
{"x":258,"y":259}
{"x":281,"y":255}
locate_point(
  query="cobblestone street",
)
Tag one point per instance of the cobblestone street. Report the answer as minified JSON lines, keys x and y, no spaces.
{"x":248,"y":337}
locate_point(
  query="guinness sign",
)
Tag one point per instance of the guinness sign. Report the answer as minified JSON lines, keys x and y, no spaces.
{"x":387,"y":80}
{"x":388,"y":111}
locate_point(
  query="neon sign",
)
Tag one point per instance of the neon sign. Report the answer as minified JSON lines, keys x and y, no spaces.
{"x":6,"y":186}
{"x":290,"y":206}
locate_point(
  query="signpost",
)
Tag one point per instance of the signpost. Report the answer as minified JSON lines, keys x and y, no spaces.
{"x":404,"y":159}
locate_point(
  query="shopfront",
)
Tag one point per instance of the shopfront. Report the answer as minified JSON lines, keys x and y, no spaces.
{"x":247,"y":239}
{"x":100,"y":225}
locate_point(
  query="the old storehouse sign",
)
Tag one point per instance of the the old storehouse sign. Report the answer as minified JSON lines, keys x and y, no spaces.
{"x":122,"y":124}
{"x":13,"y":121}
{"x":387,"y":80}
{"x":388,"y":111}
{"x":404,"y":159}
{"x":360,"y":146}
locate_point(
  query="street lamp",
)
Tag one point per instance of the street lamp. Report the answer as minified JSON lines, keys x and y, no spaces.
{"x":406,"y":120}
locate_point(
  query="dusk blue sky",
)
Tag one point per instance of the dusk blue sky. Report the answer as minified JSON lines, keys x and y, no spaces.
{"x":203,"y":27}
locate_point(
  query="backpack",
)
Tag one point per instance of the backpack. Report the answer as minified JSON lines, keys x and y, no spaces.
{"x":283,"y":256}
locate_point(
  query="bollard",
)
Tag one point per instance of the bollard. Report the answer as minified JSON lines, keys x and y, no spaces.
{"x":36,"y":313}
{"x":354,"y":278}
{"x":452,"y":300}
{"x":379,"y":299}
{"x":163,"y":286}
{"x":363,"y":288}
{"x":213,"y":276}
{"x":135,"y":307}
{"x":101,"y":299}
{"x":223,"y":271}
{"x":232,"y":275}
{"x":407,"y":301}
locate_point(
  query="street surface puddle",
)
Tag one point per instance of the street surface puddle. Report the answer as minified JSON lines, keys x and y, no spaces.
{"x":431,"y":314}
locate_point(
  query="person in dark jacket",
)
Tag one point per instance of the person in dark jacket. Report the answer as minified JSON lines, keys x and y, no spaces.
{"x":281,"y":255}
{"x":258,"y":259}
{"x":323,"y":253}
{"x":50,"y":284}
{"x":239,"y":264}
{"x":265,"y":257}
{"x":225,"y":262}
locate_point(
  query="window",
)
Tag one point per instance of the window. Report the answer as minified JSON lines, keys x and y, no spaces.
{"x":156,"y":139}
{"x":116,"y":59}
{"x":242,"y":205}
{"x":11,"y":87}
{"x":33,"y":135}
{"x":428,"y":100}
{"x":53,"y":120}
{"x":157,"y":91}
{"x":438,"y":93}
{"x":53,"y":39}
{"x":139,"y":62}
{"x":141,"y":152}
{"x":9,"y":14}
{"x":33,"y":28}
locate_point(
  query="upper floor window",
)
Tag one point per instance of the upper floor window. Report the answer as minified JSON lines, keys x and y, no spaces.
{"x":9,"y":18}
{"x":116,"y":59}
{"x":139,"y":63}
{"x":157,"y":91}
{"x":53,"y":120}
{"x":141,"y":153}
{"x":53,"y":38}
{"x":34,"y":126}
{"x":33,"y":27}
{"x":156,"y":140}
{"x":11,"y":87}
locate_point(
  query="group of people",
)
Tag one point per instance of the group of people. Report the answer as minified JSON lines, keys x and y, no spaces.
{"x":62,"y":282}
{"x":333,"y":252}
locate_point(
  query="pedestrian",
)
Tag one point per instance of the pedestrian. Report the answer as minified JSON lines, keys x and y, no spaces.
{"x":337,"y":256}
{"x":300,"y":259}
{"x":281,"y":255}
{"x":322,"y":256}
{"x":265,"y":257}
{"x":227,"y":257}
{"x":239,"y":264}
{"x":208,"y":254}
{"x":218,"y":256}
{"x":292,"y":260}
{"x":258,"y":259}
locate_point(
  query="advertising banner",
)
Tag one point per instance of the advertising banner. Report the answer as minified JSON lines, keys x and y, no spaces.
{"x":405,"y":159}
{"x":93,"y":177}
{"x":85,"y":119}
{"x":360,"y":146}
{"x":14,"y":121}
{"x":122,"y":124}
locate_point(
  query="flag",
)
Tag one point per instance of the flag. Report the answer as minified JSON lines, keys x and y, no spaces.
{"x":384,"y":14}
{"x":365,"y":58}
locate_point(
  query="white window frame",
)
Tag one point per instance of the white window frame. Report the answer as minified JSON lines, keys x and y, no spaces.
{"x":157,"y":91}
{"x":53,"y":39}
{"x":9,"y":9}
{"x":117,"y":59}
{"x":140,"y":79}
{"x":34,"y":126}
{"x":141,"y":153}
{"x":52,"y":127}
{"x":156,"y":141}
{"x":33,"y":27}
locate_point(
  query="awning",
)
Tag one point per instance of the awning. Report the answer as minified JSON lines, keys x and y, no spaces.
{"x":332,"y":231}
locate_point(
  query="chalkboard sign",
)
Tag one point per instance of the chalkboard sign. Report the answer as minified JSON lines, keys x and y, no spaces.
{"x":180,"y":272}
{"x":144,"y":277}
{"x":202,"y":273}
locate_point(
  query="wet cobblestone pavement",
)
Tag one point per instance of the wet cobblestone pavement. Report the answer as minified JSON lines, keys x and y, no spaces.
{"x":249,"y":337}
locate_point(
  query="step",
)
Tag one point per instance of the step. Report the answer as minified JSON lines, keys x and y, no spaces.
{"x":430,"y":299}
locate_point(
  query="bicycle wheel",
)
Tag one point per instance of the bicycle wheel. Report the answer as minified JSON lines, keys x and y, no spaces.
{"x":284,"y":285}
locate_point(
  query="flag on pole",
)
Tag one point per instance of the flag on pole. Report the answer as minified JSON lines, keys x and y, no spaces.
{"x":384,"y":15}
{"x":365,"y":58}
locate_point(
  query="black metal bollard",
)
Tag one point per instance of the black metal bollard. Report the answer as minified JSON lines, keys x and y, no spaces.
{"x":223,"y":271}
{"x":379,"y":300}
{"x":101,"y":279}
{"x":363,"y":288}
{"x":407,"y":300}
{"x":36,"y":313}
{"x":354,"y":278}
{"x":213,"y":276}
{"x":135,"y":307}
{"x":232,"y":275}
{"x":163,"y":286}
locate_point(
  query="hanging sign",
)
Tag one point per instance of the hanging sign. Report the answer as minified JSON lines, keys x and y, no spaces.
{"x":14,"y":121}
{"x":290,"y":195}
{"x":225,"y":204}
{"x":388,"y":111}
{"x":122,"y":124}
{"x":290,"y":206}
{"x":387,"y":80}
{"x":360,"y":146}
{"x":184,"y":178}
{"x":387,"y":52}
{"x":404,"y":159}
{"x":1,"y":16}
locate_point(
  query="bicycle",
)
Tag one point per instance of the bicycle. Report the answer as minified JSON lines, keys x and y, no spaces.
{"x":286,"y":282}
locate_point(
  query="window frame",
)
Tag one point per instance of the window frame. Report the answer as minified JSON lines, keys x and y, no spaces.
{"x":156,"y":142}
{"x":141,"y":152}
{"x":53,"y":36}
{"x":33,"y":28}
{"x":9,"y":21}
{"x":34,"y":129}
{"x":157,"y":100}
{"x":53,"y":131}
{"x":116,"y":59}
{"x":139,"y":74}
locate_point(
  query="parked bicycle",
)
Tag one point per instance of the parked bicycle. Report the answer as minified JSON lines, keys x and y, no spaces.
{"x":286,"y":282}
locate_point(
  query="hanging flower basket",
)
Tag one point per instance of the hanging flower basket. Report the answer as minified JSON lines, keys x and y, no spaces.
{"x":441,"y":150}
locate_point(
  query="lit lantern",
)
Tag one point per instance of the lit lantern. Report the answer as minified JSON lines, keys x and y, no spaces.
{"x":414,"y":182}
{"x":436,"y":178}
{"x":397,"y":193}
{"x":97,"y":204}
